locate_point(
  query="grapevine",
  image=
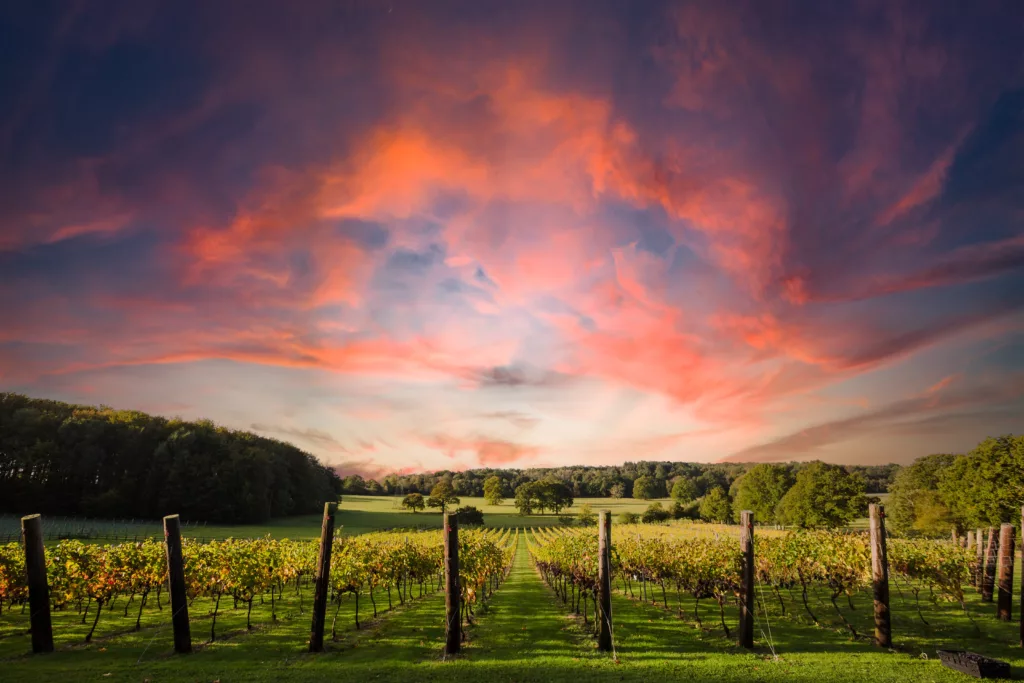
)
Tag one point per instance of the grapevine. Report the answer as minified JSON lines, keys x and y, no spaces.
{"x":406,"y":564}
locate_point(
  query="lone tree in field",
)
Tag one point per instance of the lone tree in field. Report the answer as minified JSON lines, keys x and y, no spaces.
{"x":714,"y":507}
{"x":525,"y":500}
{"x":492,"y":490}
{"x":414,"y":502}
{"x":442,"y":495}
{"x":760,"y":490}
{"x":823,"y":496}
{"x":684,"y":490}
{"x":543,"y":495}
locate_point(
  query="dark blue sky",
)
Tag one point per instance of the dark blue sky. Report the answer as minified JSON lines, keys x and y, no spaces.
{"x":457,"y":234}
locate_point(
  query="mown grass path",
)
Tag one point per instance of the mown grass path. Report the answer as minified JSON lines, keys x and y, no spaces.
{"x":524,"y":622}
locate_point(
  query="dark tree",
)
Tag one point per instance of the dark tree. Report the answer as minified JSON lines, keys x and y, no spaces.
{"x":59,"y":458}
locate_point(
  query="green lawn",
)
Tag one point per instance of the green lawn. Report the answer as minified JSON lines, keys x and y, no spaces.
{"x":359,"y":514}
{"x":525,"y":634}
{"x":356,"y":515}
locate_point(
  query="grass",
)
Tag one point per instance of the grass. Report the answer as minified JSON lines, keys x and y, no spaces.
{"x":359,"y":514}
{"x":524,"y":634}
{"x":356,"y":515}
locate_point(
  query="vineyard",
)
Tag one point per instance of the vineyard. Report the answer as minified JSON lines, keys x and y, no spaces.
{"x":675,"y":604}
{"x":379,"y":567}
{"x":793,"y":570}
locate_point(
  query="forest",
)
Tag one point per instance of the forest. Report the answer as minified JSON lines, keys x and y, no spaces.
{"x":611,"y":481}
{"x":59,"y":458}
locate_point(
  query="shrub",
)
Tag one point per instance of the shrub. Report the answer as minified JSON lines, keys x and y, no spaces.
{"x":689,"y":511}
{"x":655,"y":513}
{"x":586,"y":515}
{"x":628,"y":518}
{"x":469,"y":515}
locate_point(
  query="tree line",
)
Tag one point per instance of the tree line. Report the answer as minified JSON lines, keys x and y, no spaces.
{"x":60,"y":458}
{"x":981,"y":488}
{"x":657,"y":479}
{"x":819,"y":496}
{"x":930,"y":497}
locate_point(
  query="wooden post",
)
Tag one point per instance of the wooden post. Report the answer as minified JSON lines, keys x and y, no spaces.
{"x":988,"y":580}
{"x":322,"y":587}
{"x":453,"y":594}
{"x":176,"y":585}
{"x":970,"y":549}
{"x":1007,"y":550}
{"x":604,"y":581}
{"x":1022,"y":581}
{"x":979,"y":575}
{"x":880,"y":576}
{"x":746,"y":637}
{"x":956,"y":539}
{"x":38,"y":589}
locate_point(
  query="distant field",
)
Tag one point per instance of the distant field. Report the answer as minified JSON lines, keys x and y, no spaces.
{"x":359,"y":514}
{"x":356,"y":515}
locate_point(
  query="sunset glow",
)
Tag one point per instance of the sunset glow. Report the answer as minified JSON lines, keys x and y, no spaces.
{"x":420,"y":236}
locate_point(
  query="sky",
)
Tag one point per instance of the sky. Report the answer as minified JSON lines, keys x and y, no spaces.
{"x":413,"y":236}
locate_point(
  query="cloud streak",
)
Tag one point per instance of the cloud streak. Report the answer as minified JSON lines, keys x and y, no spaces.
{"x":747,"y":218}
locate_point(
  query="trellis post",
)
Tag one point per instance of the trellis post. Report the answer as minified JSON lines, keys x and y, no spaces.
{"x":453,"y":594}
{"x":988,"y":581}
{"x":880,"y":576}
{"x":604,"y":578}
{"x":746,"y":636}
{"x":322,"y":587}
{"x":38,"y":589}
{"x":979,"y":573}
{"x":1007,"y":550}
{"x":176,"y":585}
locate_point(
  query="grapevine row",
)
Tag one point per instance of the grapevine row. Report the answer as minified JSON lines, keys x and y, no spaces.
{"x":89,"y":576}
{"x":710,"y":568}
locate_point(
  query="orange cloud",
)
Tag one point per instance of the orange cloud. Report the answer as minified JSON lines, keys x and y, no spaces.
{"x":925,"y":188}
{"x":489,"y":452}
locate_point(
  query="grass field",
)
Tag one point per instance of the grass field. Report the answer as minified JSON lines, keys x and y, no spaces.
{"x":524,"y":635}
{"x":356,"y":515}
{"x":359,"y":514}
